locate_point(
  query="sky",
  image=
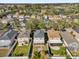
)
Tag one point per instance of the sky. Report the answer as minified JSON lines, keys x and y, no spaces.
{"x":39,"y":1}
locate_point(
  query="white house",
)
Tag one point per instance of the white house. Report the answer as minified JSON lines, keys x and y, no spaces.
{"x":54,"y":37}
{"x":39,"y":37}
{"x":21,"y":17}
{"x":23,"y":38}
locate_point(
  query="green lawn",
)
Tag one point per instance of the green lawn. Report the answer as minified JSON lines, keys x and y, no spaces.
{"x":39,"y":52}
{"x":60,"y":52}
{"x":21,"y":50}
{"x":3,"y":52}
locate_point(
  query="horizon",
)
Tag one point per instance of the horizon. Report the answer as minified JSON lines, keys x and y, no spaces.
{"x":39,"y":1}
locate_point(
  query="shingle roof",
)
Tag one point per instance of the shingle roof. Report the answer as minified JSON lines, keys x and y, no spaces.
{"x":76,"y":29}
{"x":7,"y":38}
{"x":68,"y":37}
{"x":39,"y":33}
{"x":8,"y":35}
{"x":53,"y":34}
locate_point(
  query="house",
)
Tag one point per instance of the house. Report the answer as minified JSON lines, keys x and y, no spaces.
{"x":4,"y":21}
{"x":69,"y":40}
{"x":23,"y":38}
{"x":46,"y":19}
{"x":39,"y":37}
{"x":50,"y":17}
{"x":54,"y":37}
{"x":16,"y":15}
{"x":8,"y":38}
{"x":9,"y":16}
{"x":76,"y":29}
{"x":21,"y":17}
{"x":73,"y":32}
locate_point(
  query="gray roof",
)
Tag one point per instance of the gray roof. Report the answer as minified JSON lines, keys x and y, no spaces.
{"x":68,"y":38}
{"x":39,"y":33}
{"x":8,"y":35}
{"x":8,"y":38}
{"x":76,"y":29}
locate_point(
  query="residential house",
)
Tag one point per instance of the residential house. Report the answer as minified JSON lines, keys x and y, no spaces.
{"x":70,"y":42}
{"x":8,"y":38}
{"x":76,"y":29}
{"x":39,"y":37}
{"x":9,"y":16}
{"x":5,"y":20}
{"x":54,"y":37}
{"x":73,"y":32}
{"x":21,"y":17}
{"x":16,"y":15}
{"x":23,"y":38}
{"x":46,"y":19}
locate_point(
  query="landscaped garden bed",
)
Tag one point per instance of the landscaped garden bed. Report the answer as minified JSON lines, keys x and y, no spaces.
{"x":21,"y":50}
{"x":3,"y":52}
{"x":59,"y":51}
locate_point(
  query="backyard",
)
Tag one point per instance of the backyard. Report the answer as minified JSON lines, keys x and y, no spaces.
{"x":39,"y":52}
{"x":75,"y":53}
{"x":21,"y":50}
{"x":3,"y":52}
{"x":61,"y":51}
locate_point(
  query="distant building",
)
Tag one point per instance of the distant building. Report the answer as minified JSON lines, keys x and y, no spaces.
{"x":4,"y":21}
{"x":7,"y":39}
{"x":16,"y":15}
{"x":54,"y":37}
{"x":39,"y":37}
{"x":21,"y":17}
{"x":76,"y":29}
{"x":69,"y":40}
{"x":23,"y":38}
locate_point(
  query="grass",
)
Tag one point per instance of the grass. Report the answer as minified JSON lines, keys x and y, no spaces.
{"x":60,"y":52}
{"x":75,"y":53}
{"x":39,"y":54}
{"x":3,"y":52}
{"x":21,"y":50}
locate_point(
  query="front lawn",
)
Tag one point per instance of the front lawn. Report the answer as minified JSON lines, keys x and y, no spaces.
{"x":21,"y":50}
{"x":59,"y":52}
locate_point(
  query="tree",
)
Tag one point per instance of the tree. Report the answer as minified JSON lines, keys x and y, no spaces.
{"x":61,"y":24}
{"x":30,"y":25}
{"x":35,"y":24}
{"x":41,"y":24}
